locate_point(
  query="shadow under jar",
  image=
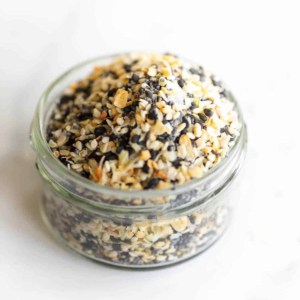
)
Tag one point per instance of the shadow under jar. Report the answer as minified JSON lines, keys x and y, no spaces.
{"x":136,"y":229}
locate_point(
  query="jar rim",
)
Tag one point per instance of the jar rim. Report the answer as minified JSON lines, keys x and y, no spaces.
{"x":40,"y":145}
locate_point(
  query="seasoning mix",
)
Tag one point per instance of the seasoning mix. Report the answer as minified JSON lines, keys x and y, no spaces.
{"x":155,"y":137}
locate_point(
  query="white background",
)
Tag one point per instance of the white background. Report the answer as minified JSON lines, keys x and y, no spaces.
{"x":254,"y":47}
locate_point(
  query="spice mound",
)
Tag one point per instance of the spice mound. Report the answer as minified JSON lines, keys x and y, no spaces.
{"x":145,"y":121}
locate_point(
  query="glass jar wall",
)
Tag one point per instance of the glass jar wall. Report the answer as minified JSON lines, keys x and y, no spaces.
{"x":132,"y":228}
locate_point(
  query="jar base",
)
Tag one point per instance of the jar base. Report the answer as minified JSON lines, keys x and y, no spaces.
{"x":55,"y":233}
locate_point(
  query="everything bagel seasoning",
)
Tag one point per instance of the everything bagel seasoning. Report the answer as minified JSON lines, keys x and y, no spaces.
{"x":142,"y":127}
{"x":145,"y":121}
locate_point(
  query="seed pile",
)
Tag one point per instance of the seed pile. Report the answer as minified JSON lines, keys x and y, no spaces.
{"x":145,"y":121}
{"x":129,"y":242}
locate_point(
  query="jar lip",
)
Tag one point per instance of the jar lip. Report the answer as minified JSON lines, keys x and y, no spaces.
{"x":42,"y":148}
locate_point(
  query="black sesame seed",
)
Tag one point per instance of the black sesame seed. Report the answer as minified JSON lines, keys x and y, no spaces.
{"x":85,"y":174}
{"x":192,"y":119}
{"x":129,"y":149}
{"x":63,"y":160}
{"x":225,"y":130}
{"x":85,"y":90}
{"x":152,"y":115}
{"x":147,"y":135}
{"x":89,"y":245}
{"x":113,"y":239}
{"x":119,"y":149}
{"x":224,"y":94}
{"x":85,"y":218}
{"x":116,"y":247}
{"x":113,"y":137}
{"x":71,"y":141}
{"x":145,"y":168}
{"x":135,"y":78}
{"x":95,"y":156}
{"x":127,"y":67}
{"x":171,"y":148}
{"x":186,"y":121}
{"x":127,"y":222}
{"x":183,"y":241}
{"x":127,"y":241}
{"x":100,"y":131}
{"x":131,"y":107}
{"x":153,"y":153}
{"x":85,"y":115}
{"x":184,"y":131}
{"x":64,"y":114}
{"x":192,"y":219}
{"x":198,"y":71}
{"x":149,"y":94}
{"x":152,"y":217}
{"x":193,"y":105}
{"x":194,"y":71}
{"x":203,"y":117}
{"x":180,"y":82}
{"x":135,"y":138}
{"x":152,"y":183}
{"x":163,"y":137}
{"x":111,"y":156}
{"x":176,"y":163}
{"x":128,"y":109}
{"x":65,"y":99}
{"x":124,"y":257}
{"x":208,"y":112}
{"x":112,"y":92}
{"x":118,"y":202}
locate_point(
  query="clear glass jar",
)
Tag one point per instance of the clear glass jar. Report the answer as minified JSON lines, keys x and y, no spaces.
{"x":136,"y":229}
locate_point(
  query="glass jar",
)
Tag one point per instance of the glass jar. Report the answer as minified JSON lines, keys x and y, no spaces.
{"x":136,"y":229}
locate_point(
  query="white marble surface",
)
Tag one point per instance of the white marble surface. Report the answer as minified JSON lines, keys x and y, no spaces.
{"x":254,"y":46}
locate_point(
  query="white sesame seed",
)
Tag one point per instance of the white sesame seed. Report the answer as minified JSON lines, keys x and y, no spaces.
{"x":96,"y":113}
{"x":52,"y":144}
{"x":180,"y":127}
{"x":156,"y":145}
{"x":146,"y":127}
{"x":162,"y":81}
{"x":124,"y":130}
{"x":64,"y":152}
{"x":105,"y":139}
{"x":107,"y":166}
{"x":76,"y":166}
{"x":93,"y":144}
{"x":82,"y":131}
{"x":197,"y":130}
{"x":168,"y":116}
{"x":190,"y":135}
{"x":181,"y":151}
{"x":61,"y":140}
{"x":120,"y":121}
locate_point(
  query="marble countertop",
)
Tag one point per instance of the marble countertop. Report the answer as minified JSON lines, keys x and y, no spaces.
{"x":253,"y":46}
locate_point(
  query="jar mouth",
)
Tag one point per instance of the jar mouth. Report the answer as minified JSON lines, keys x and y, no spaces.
{"x":40,"y":145}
